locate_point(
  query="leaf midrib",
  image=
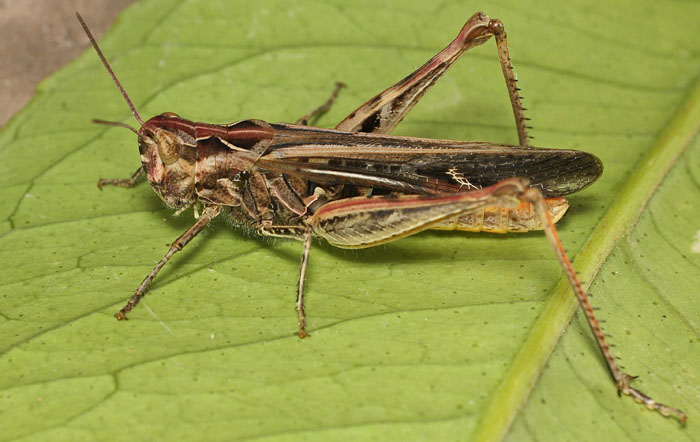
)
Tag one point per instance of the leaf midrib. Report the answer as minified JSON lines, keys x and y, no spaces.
{"x":617,"y":223}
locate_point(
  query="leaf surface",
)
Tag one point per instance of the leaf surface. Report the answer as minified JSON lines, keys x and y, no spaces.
{"x":413,"y":340}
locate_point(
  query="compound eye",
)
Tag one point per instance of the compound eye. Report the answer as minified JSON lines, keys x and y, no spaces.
{"x":169,"y":146}
{"x":170,"y":115}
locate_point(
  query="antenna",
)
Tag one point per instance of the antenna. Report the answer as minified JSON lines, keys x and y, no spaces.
{"x":117,"y":124}
{"x":109,"y":69}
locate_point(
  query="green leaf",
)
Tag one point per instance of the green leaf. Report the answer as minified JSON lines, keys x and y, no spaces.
{"x":422,"y":338}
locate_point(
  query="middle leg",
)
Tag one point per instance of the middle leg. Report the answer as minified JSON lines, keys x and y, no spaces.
{"x":301,"y":234}
{"x":304,"y":121}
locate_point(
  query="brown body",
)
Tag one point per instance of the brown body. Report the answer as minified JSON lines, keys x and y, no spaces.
{"x":357,"y":186}
{"x":280,"y":174}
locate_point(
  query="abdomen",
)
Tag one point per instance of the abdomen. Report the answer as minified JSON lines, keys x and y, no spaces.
{"x":501,"y":220}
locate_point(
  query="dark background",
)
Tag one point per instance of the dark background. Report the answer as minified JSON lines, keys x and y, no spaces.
{"x":37,"y":37}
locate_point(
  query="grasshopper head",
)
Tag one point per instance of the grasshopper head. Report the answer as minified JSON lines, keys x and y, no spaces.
{"x":168,"y":158}
{"x":167,"y":149}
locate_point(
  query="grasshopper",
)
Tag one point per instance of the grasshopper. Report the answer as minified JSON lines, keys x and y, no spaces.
{"x":356,"y":186}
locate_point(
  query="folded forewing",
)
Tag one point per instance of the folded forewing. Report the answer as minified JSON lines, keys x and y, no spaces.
{"x":421,"y":165}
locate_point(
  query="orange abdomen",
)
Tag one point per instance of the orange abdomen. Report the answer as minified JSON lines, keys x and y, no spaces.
{"x":501,"y":220}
